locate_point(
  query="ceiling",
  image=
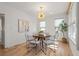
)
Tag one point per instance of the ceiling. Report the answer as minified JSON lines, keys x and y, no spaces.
{"x":32,"y":8}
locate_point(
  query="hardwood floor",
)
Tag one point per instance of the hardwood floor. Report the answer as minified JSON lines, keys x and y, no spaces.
{"x":21,"y":50}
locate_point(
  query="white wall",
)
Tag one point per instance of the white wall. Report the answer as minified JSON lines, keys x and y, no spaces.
{"x":12,"y":37}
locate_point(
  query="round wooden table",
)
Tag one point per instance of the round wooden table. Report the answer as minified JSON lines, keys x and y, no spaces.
{"x":41,"y":38}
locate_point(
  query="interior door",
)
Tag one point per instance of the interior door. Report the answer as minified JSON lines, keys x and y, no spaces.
{"x":0,"y":31}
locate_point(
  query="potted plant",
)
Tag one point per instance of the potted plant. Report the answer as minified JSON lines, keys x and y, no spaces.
{"x":63,"y":28}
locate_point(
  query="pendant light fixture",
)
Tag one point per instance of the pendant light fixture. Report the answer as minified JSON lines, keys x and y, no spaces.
{"x":41,"y":14}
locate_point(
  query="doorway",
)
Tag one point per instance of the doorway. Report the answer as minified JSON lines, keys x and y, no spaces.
{"x":2,"y":31}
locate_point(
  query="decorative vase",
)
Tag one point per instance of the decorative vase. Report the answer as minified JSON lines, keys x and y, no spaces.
{"x":64,"y":40}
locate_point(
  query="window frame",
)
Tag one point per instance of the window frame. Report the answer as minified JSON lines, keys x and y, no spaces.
{"x":42,"y":28}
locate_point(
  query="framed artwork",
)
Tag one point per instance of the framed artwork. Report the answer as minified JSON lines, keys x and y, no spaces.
{"x":20,"y":26}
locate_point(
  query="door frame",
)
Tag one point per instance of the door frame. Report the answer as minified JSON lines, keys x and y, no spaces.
{"x":2,"y":16}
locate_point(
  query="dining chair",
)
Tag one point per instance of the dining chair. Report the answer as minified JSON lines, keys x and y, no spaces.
{"x":51,"y":43}
{"x":32,"y":43}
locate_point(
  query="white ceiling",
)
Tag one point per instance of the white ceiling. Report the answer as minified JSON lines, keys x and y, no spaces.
{"x":32,"y":8}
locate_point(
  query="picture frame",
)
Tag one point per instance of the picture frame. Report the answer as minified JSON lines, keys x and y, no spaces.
{"x":23,"y":25}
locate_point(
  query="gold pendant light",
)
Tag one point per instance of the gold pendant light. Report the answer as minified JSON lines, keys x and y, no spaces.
{"x":41,"y":14}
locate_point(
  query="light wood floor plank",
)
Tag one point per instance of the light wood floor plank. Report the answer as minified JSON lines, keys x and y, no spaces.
{"x":21,"y":50}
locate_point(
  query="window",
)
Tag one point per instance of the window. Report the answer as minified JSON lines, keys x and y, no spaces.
{"x":72,"y":32}
{"x":57,"y":23}
{"x":42,"y":26}
{"x":72,"y":28}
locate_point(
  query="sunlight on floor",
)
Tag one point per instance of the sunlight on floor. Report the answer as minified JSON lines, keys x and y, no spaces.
{"x":53,"y":46}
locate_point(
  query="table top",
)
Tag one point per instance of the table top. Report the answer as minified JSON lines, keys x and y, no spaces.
{"x":43,"y":37}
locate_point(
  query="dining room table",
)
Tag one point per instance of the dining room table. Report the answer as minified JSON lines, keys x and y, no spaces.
{"x":41,"y":38}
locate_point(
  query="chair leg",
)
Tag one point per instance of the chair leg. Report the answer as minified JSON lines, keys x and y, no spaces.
{"x":36,"y":49}
{"x":45,"y":48}
{"x":54,"y":50}
{"x":27,"y":45}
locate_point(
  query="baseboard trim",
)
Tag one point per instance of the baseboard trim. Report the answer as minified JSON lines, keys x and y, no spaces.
{"x":15,"y":45}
